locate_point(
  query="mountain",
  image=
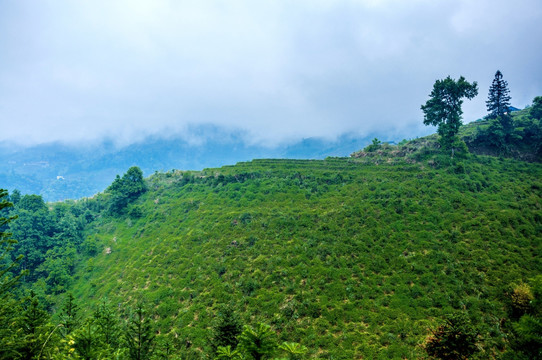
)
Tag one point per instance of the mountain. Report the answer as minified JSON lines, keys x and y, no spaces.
{"x":349,"y":258}
{"x":353,"y":257}
{"x":58,"y":171}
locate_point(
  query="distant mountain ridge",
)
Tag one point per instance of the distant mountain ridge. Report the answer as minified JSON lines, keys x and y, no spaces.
{"x":58,"y":171}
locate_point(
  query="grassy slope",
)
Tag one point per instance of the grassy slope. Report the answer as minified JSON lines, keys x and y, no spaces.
{"x":349,"y":257}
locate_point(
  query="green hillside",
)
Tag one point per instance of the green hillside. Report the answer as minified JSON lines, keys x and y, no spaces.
{"x":349,"y":259}
{"x":353,"y":258}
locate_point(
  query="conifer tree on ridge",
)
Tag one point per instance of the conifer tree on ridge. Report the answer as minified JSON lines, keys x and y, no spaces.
{"x":498,"y":101}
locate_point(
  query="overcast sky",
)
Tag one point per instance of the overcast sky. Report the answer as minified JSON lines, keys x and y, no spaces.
{"x":273,"y":71}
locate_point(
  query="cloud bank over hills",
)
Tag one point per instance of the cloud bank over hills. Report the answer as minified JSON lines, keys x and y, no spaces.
{"x":271,"y":72}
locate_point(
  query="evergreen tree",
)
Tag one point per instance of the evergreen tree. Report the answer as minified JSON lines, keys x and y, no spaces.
{"x":9,"y":334}
{"x":107,"y":323}
{"x":86,"y":341}
{"x":140,"y":335}
{"x":443,"y":109}
{"x":226,"y":329}
{"x":36,"y":329}
{"x":69,"y":315}
{"x":499,"y":99}
{"x":8,"y":306}
{"x":6,"y":247}
{"x":259,"y":343}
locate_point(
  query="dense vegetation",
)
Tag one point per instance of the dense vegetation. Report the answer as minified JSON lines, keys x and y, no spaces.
{"x":349,"y":257}
{"x":443,"y":109}
{"x":396,"y":252}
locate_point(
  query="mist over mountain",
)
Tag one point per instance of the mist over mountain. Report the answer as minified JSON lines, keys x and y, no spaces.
{"x":257,"y":180}
{"x":59,"y":171}
{"x":275,"y":70}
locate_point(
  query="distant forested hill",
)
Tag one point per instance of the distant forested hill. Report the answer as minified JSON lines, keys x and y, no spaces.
{"x":58,"y":172}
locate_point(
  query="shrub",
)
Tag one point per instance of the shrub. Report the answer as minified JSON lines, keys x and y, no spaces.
{"x":455,"y":339}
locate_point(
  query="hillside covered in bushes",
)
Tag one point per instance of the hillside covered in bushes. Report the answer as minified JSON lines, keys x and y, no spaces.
{"x":360,"y":257}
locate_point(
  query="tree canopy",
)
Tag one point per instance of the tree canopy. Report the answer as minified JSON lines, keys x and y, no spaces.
{"x":455,"y":339}
{"x":6,"y":246}
{"x":536,"y":109}
{"x":443,"y":109}
{"x":125,"y":189}
{"x":498,"y":101}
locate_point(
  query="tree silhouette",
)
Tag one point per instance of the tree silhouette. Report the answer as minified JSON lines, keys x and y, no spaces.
{"x":454,"y":340}
{"x":498,"y":102}
{"x":443,"y":109}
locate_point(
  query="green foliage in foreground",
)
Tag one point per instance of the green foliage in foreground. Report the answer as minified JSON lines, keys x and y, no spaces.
{"x":351,"y":257}
{"x":7,"y":245}
{"x":454,"y":340}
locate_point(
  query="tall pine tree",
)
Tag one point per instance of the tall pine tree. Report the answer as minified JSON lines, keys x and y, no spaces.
{"x":36,"y":329}
{"x":107,"y":322}
{"x":226,"y":329}
{"x":7,"y":263}
{"x":499,"y":99}
{"x":69,"y":315}
{"x":9,"y":316}
{"x":140,"y":335}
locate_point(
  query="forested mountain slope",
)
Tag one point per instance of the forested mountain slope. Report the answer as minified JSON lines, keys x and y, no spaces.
{"x":360,"y":257}
{"x":352,"y":259}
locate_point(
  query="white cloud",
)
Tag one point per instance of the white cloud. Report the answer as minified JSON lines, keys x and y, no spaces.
{"x":274,"y":70}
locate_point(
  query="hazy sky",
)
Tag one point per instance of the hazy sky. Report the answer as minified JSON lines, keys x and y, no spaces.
{"x":274,"y":71}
